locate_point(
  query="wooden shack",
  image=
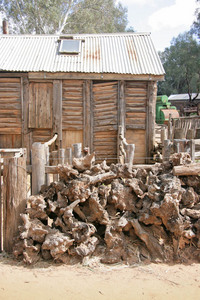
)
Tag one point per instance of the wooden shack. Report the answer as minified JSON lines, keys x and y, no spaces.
{"x":82,"y":87}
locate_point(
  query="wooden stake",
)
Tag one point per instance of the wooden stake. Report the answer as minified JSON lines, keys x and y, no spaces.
{"x":77,"y":150}
{"x":38,"y":166}
{"x":14,"y":198}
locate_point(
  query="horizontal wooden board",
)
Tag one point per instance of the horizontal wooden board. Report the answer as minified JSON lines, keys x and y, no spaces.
{"x":10,"y":110}
{"x":136,"y":104}
{"x":105,"y":120}
{"x":72,"y":105}
{"x":10,"y":140}
{"x":41,"y":135}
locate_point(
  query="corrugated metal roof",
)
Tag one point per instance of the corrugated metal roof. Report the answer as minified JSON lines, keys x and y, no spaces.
{"x":123,"y":53}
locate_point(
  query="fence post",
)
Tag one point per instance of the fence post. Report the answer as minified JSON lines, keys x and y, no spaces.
{"x":69,"y":155}
{"x":130,"y":151}
{"x":77,"y":150}
{"x":166,"y":150}
{"x":14,"y":197}
{"x":192,"y":149}
{"x":38,"y":166}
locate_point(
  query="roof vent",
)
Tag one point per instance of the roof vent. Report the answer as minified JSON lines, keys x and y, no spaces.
{"x":70,"y":46}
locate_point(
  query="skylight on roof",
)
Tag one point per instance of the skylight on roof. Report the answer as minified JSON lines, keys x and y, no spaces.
{"x":70,"y":46}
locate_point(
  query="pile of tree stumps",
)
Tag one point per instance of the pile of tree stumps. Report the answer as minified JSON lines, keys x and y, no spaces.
{"x":115,"y":214}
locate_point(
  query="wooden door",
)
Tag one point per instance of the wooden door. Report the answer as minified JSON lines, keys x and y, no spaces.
{"x":105,"y":119}
{"x":136,"y":112}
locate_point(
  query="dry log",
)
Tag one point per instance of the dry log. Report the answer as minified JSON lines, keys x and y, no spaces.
{"x":57,"y":243}
{"x":181,"y":158}
{"x":34,"y":229}
{"x":193,"y":213}
{"x":37,"y":207}
{"x":187,"y":170}
{"x":122,"y":197}
{"x":150,"y":241}
{"x":84,"y":163}
{"x":168,"y":211}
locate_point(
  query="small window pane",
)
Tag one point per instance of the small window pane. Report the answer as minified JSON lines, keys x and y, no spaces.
{"x":70,"y":46}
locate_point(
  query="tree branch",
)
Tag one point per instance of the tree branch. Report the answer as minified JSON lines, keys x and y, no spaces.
{"x":59,"y":31}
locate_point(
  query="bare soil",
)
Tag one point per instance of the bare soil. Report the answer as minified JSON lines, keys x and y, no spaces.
{"x":93,"y":280}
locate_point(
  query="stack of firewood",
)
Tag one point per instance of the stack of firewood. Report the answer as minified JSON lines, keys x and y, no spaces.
{"x":114,"y":213}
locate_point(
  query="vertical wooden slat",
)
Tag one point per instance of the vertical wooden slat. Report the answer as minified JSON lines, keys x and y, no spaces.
{"x":121,"y":113}
{"x":14,"y":198}
{"x":150,"y":132}
{"x":57,"y":111}
{"x":87,"y":114}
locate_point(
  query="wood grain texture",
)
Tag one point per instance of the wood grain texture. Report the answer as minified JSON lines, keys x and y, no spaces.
{"x":40,"y":105}
{"x":72,"y":105}
{"x":137,"y":137}
{"x":105,"y":120}
{"x":14,"y":198}
{"x":10,"y":106}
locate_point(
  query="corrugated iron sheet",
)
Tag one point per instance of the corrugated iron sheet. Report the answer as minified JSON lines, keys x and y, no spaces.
{"x":124,"y":53}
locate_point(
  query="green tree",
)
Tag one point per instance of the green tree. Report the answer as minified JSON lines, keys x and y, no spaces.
{"x":181,"y":62}
{"x":64,"y":16}
{"x":95,"y":16}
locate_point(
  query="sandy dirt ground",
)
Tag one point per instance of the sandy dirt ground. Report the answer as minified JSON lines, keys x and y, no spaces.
{"x":94,"y":281}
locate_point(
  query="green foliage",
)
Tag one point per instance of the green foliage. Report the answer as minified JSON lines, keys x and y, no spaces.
{"x":181,"y":62}
{"x":69,"y":16}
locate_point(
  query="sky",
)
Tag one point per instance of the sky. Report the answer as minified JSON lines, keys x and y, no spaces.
{"x":165,"y":19}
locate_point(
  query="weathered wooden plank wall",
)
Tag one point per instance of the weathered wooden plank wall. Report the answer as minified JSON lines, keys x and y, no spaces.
{"x":40,"y":105}
{"x":136,"y":112}
{"x":105,"y":120}
{"x":72,"y":112}
{"x":10,"y":112}
{"x":80,"y":111}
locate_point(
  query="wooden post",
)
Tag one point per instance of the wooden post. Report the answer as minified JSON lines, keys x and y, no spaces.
{"x":14,"y":198}
{"x":121,"y":117}
{"x":150,"y":119}
{"x":69,"y":156}
{"x":166,"y":150}
{"x":87,"y":114}
{"x":170,"y":128}
{"x":192,"y":149}
{"x":54,"y":155}
{"x":47,"y":177}
{"x":130,"y":150}
{"x":77,"y":150}
{"x":57,"y":111}
{"x":163,"y":136}
{"x":62,"y":156}
{"x":38,"y":166}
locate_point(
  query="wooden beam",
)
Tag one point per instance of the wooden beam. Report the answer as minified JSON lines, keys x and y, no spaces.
{"x":57,"y":111}
{"x":87,"y":114}
{"x":94,"y":76}
{"x":151,"y":116}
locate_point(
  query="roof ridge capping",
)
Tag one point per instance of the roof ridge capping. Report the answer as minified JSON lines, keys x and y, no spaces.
{"x":75,"y":34}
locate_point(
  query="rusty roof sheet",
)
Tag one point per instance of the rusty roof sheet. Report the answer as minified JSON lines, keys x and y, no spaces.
{"x":123,"y":53}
